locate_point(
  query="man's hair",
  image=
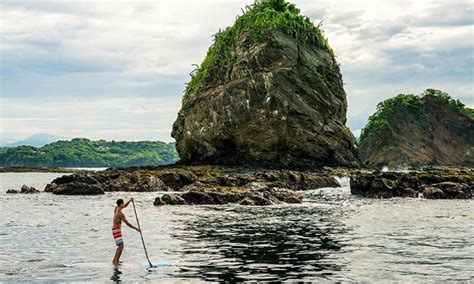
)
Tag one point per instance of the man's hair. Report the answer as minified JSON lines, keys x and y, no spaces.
{"x":119,"y":202}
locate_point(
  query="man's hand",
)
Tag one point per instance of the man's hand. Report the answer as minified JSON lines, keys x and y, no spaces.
{"x":127,"y":203}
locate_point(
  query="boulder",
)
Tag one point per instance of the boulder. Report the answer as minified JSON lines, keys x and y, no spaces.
{"x":49,"y":187}
{"x":431,"y":192}
{"x":275,"y":100}
{"x":170,"y":199}
{"x":27,"y":190}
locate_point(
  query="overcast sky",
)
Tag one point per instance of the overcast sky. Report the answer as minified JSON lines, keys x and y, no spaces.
{"x":117,"y":70}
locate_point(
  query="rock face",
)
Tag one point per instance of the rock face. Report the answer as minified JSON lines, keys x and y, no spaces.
{"x":427,"y":130}
{"x":278,"y":101}
{"x":181,"y":178}
{"x":431,"y":184}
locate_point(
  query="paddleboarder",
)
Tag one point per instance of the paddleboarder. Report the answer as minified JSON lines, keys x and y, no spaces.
{"x":117,"y":228}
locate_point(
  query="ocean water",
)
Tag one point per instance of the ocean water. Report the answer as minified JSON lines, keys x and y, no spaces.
{"x":331,"y":236}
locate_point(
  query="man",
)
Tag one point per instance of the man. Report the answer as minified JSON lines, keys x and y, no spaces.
{"x":117,"y":228}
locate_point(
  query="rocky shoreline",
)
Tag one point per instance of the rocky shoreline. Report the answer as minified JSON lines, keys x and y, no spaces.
{"x":193,"y":185}
{"x":210,"y":184}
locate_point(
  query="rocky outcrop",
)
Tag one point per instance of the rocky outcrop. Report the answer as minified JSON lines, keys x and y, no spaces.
{"x":181,"y":178}
{"x":107,"y":181}
{"x":24,"y":189}
{"x":431,"y":184}
{"x":200,"y":194}
{"x":267,"y":97}
{"x":427,"y":130}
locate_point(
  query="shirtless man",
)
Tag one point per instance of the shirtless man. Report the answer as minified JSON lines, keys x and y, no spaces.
{"x":117,"y":228}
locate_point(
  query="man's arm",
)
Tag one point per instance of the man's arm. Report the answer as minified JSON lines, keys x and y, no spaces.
{"x":127,"y":203}
{"x":128,"y":224}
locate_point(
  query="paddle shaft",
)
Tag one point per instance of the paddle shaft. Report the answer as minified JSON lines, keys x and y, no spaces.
{"x":141,"y":235}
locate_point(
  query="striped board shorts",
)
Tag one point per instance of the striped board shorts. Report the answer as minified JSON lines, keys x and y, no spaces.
{"x":117,"y":233}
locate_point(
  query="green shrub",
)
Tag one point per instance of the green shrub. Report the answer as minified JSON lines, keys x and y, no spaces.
{"x":266,"y":14}
{"x":446,"y":99}
{"x":409,"y":105}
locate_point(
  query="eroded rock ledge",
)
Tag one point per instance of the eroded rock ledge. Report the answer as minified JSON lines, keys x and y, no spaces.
{"x":255,"y":194}
{"x":191,"y":178}
{"x":447,"y":183}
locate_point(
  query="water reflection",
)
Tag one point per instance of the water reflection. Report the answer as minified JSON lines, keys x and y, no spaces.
{"x":273,"y":243}
{"x":116,"y":275}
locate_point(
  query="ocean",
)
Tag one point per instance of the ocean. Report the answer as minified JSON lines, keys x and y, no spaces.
{"x":332,"y":236}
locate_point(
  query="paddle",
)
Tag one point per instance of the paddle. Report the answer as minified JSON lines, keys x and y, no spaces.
{"x":141,"y":235}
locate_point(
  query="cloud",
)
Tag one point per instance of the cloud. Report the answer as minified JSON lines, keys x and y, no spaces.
{"x":118,"y":69}
{"x":119,"y":118}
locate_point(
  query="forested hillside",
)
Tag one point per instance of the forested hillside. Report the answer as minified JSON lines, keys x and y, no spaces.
{"x":81,"y":152}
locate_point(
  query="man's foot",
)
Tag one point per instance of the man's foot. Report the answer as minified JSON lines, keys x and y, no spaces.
{"x":116,"y":263}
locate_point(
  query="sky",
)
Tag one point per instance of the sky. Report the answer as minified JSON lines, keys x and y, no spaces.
{"x":116,"y":70}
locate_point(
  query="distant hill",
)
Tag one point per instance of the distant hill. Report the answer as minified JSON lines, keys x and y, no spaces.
{"x":37,"y":140}
{"x":81,"y":152}
{"x":427,"y":130}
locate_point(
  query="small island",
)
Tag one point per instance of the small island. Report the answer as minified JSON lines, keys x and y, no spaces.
{"x":263,"y":117}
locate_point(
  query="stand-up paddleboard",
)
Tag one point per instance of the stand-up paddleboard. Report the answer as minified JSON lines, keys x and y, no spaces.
{"x":150,"y":264}
{"x":159,"y":263}
{"x":93,"y":265}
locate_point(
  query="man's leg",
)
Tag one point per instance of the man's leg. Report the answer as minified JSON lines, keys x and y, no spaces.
{"x":118,"y":253}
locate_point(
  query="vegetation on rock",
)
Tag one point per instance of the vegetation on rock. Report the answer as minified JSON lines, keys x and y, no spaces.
{"x":256,"y":18}
{"x":81,"y":152}
{"x":413,"y":104}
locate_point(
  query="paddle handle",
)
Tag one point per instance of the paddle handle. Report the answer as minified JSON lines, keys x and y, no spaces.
{"x":141,"y":235}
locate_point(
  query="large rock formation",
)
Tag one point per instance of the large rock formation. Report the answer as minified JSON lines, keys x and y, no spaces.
{"x":427,"y":130}
{"x":269,"y":93}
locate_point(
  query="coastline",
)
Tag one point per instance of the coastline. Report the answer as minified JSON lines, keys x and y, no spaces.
{"x":227,"y":183}
{"x":46,"y":170}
